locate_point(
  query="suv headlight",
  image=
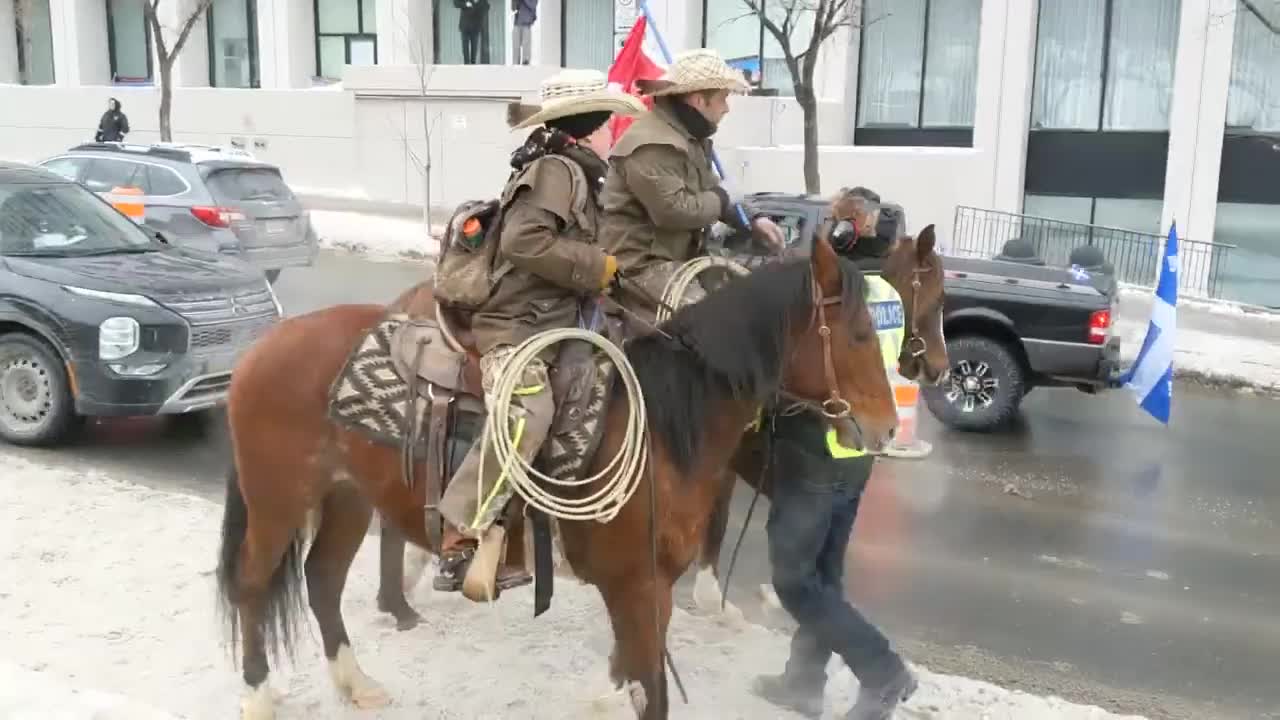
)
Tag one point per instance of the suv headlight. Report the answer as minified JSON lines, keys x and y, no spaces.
{"x":118,"y":337}
{"x":126,"y":298}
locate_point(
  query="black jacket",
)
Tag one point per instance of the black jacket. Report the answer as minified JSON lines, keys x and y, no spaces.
{"x":113,"y":126}
{"x":473,"y":14}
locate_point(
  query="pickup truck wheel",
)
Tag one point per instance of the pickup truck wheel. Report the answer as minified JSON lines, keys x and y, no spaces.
{"x":36,"y":407}
{"x":985,"y":388}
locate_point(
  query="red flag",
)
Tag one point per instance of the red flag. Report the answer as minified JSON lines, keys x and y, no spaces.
{"x":630,"y":65}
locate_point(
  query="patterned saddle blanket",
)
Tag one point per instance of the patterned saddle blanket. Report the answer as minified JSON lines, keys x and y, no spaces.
{"x":380,"y":393}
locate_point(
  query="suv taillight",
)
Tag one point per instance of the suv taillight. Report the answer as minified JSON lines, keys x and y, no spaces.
{"x":216,"y":217}
{"x":1099,"y":325}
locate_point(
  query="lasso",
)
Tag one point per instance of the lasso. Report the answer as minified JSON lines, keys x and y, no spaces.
{"x":622,"y":475}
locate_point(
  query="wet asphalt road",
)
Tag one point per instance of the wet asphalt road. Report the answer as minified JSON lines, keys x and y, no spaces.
{"x":1088,"y":552}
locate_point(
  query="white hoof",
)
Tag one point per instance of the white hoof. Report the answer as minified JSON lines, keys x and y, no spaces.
{"x":769,"y":597}
{"x":258,"y":703}
{"x":639,"y":700}
{"x":353,"y":684}
{"x":707,"y":592}
{"x":415,"y":566}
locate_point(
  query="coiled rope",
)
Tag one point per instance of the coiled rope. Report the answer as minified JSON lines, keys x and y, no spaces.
{"x":622,"y":475}
{"x":684,"y":276}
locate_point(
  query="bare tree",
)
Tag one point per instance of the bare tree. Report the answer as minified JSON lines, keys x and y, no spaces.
{"x":167,"y":55}
{"x":424,"y":69}
{"x":823,"y":18}
{"x":1270,"y":20}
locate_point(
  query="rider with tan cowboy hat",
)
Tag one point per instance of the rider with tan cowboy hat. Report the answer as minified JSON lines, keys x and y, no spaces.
{"x":550,"y":221}
{"x":662,"y":193}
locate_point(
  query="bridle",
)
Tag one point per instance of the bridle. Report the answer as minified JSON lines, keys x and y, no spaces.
{"x":834,"y":407}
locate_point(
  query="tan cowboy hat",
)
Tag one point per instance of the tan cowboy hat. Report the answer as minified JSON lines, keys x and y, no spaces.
{"x":573,"y":92}
{"x":695,"y":71}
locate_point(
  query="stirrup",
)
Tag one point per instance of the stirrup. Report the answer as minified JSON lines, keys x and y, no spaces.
{"x":481,"y":581}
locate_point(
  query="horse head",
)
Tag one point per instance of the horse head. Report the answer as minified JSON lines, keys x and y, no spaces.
{"x":836,"y":361}
{"x":914,"y":269}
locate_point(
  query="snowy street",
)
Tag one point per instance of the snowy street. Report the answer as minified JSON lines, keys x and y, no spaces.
{"x":124,"y":603}
{"x":1087,"y":554}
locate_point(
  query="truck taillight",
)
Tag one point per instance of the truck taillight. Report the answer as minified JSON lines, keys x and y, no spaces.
{"x":216,"y":217}
{"x":1099,"y":326}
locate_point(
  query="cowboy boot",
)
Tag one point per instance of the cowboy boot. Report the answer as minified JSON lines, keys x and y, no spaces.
{"x":457,"y":551}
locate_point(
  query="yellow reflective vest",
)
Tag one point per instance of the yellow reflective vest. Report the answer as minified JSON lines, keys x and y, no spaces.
{"x":886,"y":311}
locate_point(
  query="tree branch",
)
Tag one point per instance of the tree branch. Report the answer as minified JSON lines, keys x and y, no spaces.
{"x":190,"y":23}
{"x":1252,"y":7}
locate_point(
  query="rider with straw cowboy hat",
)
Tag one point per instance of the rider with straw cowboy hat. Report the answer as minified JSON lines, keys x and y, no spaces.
{"x":662,"y":193}
{"x":550,"y":220}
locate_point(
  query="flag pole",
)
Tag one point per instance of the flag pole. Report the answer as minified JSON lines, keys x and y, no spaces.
{"x":667,"y":58}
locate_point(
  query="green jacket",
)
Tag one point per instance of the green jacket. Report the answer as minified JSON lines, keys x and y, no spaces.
{"x":661,"y":194}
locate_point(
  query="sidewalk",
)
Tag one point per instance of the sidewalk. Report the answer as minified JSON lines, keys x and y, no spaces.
{"x":1217,"y":343}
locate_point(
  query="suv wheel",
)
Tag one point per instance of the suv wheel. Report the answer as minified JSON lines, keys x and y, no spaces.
{"x":36,"y":407}
{"x":985,"y":387}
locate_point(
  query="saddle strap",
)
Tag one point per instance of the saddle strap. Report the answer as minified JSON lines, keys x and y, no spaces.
{"x":543,"y":572}
{"x":436,"y":461}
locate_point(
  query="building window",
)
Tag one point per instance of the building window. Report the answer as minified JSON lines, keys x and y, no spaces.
{"x":35,"y":42}
{"x":346,"y":34}
{"x":233,"y":43}
{"x":918,"y":72}
{"x":471,"y":32}
{"x":1253,"y":102}
{"x":730,"y":28}
{"x":588,"y":32}
{"x":129,"y":42}
{"x":1105,"y":65}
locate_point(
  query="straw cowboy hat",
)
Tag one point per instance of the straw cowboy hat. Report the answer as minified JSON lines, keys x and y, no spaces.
{"x":695,"y":71}
{"x":573,"y":92}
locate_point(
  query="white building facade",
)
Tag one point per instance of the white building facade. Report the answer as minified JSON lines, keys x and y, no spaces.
{"x":1120,"y":113}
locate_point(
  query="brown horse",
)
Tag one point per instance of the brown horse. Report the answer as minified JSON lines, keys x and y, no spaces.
{"x":799,"y":327}
{"x":914,"y":269}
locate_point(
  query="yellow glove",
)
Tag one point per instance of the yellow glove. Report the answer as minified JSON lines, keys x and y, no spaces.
{"x":610,"y":270}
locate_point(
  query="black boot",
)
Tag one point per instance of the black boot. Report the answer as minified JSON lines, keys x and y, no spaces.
{"x":878,"y":701}
{"x":799,"y":695}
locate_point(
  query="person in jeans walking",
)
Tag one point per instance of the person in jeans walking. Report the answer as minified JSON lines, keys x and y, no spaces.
{"x":526,"y":12}
{"x":817,"y":485}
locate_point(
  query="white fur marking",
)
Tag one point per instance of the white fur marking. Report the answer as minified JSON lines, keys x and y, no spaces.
{"x":353,"y":684}
{"x":707,"y":594}
{"x":415,"y":565}
{"x":258,"y":703}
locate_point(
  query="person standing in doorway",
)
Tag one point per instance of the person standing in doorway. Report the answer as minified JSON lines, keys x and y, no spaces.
{"x":113,"y":125}
{"x":526,"y":12}
{"x":473,"y":15}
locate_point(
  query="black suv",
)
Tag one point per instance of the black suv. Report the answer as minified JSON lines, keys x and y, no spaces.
{"x":99,"y":316}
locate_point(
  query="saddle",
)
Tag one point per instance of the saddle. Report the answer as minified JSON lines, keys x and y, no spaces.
{"x":448,"y":378}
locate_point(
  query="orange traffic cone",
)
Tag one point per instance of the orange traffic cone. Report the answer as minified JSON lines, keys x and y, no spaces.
{"x":906,"y":445}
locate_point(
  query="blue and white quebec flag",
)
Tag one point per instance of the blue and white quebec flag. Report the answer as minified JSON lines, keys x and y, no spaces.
{"x":1151,"y":377}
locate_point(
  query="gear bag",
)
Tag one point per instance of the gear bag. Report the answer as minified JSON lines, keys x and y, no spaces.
{"x":465,"y":274}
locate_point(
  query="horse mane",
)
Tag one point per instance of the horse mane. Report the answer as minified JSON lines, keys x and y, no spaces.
{"x":730,"y":345}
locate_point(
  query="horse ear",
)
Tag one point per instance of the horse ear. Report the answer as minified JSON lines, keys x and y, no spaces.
{"x":826,"y":265}
{"x":924,"y":243}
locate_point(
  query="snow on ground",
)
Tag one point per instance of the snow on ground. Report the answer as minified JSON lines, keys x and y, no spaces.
{"x":115,"y":594}
{"x":1216,"y":307}
{"x":377,"y":237}
{"x":1249,"y":361}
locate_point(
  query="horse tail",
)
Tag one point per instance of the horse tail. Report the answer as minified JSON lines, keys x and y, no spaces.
{"x":283,"y":601}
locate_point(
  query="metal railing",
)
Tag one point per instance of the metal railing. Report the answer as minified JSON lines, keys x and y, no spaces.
{"x":1135,"y":256}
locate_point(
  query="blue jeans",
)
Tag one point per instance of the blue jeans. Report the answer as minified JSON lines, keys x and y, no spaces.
{"x":815,"y":504}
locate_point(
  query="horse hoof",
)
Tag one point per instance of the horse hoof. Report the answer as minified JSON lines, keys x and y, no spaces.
{"x":706,"y":592}
{"x":407,"y":620}
{"x":639,"y":700}
{"x":258,"y":703}
{"x":370,"y":696}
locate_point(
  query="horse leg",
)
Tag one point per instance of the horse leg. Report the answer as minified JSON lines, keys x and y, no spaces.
{"x":707,"y":591}
{"x":636,"y":664}
{"x":392,"y":580}
{"x":344,"y":519}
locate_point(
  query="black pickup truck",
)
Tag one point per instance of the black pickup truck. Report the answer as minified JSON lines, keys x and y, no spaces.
{"x":1010,"y":327}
